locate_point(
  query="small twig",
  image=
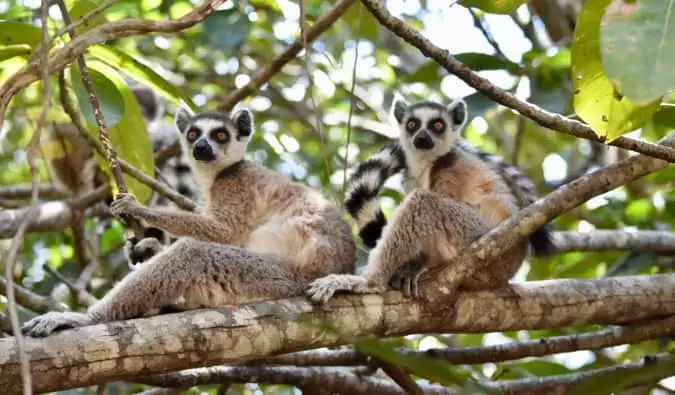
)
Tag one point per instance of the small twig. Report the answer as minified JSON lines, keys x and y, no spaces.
{"x":351,"y":107}
{"x":401,"y":377}
{"x":32,"y":301}
{"x":543,"y":117}
{"x":480,"y":23}
{"x":108,"y":150}
{"x":69,"y":107}
{"x":275,"y":66}
{"x":80,"y":293}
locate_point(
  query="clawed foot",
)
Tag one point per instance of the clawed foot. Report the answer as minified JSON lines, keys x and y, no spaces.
{"x":322,"y":289}
{"x":46,"y":324}
{"x":407,"y":278}
{"x":138,"y":252}
{"x":125,"y":206}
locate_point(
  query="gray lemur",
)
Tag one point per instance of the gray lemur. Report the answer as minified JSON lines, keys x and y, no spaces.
{"x":259,"y":235}
{"x":455,"y":194}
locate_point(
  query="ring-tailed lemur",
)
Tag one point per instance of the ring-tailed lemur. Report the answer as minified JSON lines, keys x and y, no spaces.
{"x":454,"y":197}
{"x":259,"y":235}
{"x":365,"y":183}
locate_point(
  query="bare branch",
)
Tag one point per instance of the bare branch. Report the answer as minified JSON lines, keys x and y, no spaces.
{"x":606,"y":240}
{"x":137,"y":348}
{"x":37,"y":303}
{"x":80,"y":293}
{"x":544,"y":118}
{"x":24,"y":191}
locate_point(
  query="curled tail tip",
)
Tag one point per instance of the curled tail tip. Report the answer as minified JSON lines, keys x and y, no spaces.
{"x":370,"y":233}
{"x":542,"y":241}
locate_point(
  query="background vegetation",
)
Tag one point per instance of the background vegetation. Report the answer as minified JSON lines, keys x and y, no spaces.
{"x":614,"y":76}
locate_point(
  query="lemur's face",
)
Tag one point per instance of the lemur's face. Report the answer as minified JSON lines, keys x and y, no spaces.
{"x":428,"y":128}
{"x":214,"y":137}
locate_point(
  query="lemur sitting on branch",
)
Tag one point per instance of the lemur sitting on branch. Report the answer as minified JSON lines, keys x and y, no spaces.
{"x":259,"y":235}
{"x":455,"y":195}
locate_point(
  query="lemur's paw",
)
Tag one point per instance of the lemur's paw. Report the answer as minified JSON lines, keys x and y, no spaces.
{"x":48,"y":323}
{"x":322,"y":289}
{"x":407,"y":277}
{"x":138,"y":252}
{"x":124,"y":205}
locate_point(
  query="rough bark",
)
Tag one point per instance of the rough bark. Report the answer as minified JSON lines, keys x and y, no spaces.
{"x":138,"y":348}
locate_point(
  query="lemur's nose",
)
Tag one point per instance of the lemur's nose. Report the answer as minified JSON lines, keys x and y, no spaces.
{"x":423,"y":141}
{"x":202,"y":151}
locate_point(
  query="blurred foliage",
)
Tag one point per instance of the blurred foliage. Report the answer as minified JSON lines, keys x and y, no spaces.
{"x":201,"y":65}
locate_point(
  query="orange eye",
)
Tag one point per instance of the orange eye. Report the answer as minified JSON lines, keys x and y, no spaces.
{"x":221,"y":136}
{"x":411,"y":125}
{"x":438,"y":126}
{"x":192,"y":135}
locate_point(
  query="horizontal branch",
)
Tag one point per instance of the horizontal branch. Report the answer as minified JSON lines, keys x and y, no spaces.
{"x":137,"y":348}
{"x":52,"y":215}
{"x":607,"y":240}
{"x":609,"y":337}
{"x":24,"y":191}
{"x":544,"y":118}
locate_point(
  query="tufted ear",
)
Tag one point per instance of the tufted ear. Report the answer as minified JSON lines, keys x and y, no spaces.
{"x":458,"y":114}
{"x":398,"y":108}
{"x":182,"y":116}
{"x":243,"y":120}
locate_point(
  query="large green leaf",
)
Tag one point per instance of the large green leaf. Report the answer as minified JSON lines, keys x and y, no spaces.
{"x":494,"y":6}
{"x":112,"y":102}
{"x":595,"y":100}
{"x":128,"y":65}
{"x":230,"y":38}
{"x":637,"y":40}
{"x":80,"y":8}
{"x":129,"y":135}
{"x":10,"y":51}
{"x":12,"y":33}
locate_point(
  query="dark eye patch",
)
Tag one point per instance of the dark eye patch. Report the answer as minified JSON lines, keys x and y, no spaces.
{"x":220,"y":135}
{"x":193,"y":134}
{"x":412,"y":124}
{"x":436,"y":125}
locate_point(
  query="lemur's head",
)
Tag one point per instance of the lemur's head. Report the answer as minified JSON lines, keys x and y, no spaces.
{"x":428,"y":129}
{"x":214,"y":138}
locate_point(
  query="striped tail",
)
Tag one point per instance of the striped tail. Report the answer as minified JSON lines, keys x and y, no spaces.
{"x":541,"y":239}
{"x":365,"y":184}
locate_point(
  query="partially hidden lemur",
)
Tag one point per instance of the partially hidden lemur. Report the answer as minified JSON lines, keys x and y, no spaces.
{"x":259,"y":235}
{"x":455,"y":194}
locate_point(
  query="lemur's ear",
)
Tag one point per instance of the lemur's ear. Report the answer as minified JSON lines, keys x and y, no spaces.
{"x":182,"y":116}
{"x":151,"y":104}
{"x":398,"y":108}
{"x":243,"y":120}
{"x":458,"y":114}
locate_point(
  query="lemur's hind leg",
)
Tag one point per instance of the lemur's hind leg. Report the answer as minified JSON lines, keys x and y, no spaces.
{"x":189,"y":274}
{"x":426,"y":225}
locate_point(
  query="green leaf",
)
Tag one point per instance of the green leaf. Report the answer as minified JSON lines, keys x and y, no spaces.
{"x":230,"y":38}
{"x":481,"y":61}
{"x":12,"y":33}
{"x":112,"y":102}
{"x":129,"y":135}
{"x":637,"y":40}
{"x":494,"y":6}
{"x":80,"y":8}
{"x":128,"y":65}
{"x":10,"y":51}
{"x":663,"y":121}
{"x":595,"y":100}
{"x":427,"y":72}
{"x":364,"y":25}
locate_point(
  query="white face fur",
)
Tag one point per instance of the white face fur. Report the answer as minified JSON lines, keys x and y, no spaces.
{"x":427,"y":130}
{"x":213,"y":140}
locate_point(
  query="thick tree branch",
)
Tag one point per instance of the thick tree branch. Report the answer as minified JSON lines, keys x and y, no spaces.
{"x":544,"y":118}
{"x":613,"y":336}
{"x":137,"y":348}
{"x":23,"y":191}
